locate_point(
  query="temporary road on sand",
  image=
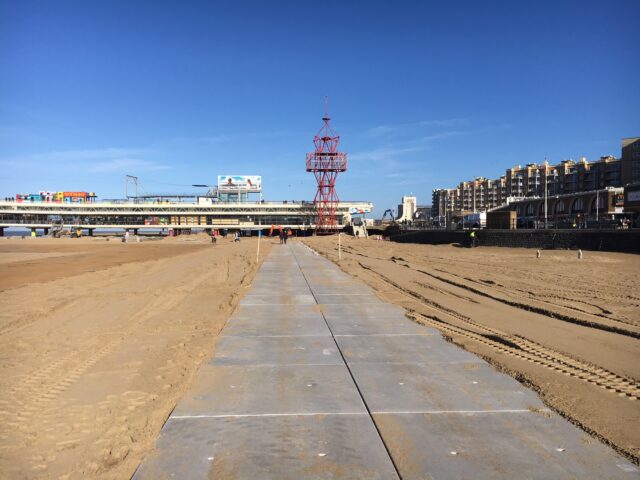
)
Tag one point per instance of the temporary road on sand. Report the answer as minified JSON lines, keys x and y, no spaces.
{"x":315,"y":377}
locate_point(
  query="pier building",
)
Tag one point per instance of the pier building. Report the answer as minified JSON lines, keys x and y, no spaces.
{"x":203,"y":214}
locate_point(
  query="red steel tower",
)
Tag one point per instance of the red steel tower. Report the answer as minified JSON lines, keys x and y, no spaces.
{"x":325,"y":163}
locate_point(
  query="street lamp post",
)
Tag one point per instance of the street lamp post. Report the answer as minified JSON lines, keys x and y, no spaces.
{"x":446,"y":212}
{"x":545,"y":193}
{"x":555,"y":191}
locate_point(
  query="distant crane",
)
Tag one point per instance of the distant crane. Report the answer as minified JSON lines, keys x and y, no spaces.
{"x":392,"y":216}
{"x":130,"y":180}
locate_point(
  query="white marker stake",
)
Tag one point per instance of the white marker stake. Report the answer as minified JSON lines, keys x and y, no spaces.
{"x":258,"y":252}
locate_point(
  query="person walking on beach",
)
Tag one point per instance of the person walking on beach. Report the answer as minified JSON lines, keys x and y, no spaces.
{"x":284,"y":236}
{"x":472,"y":236}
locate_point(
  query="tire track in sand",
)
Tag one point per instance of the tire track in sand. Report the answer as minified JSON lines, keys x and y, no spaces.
{"x":517,"y":346}
{"x":43,"y":386}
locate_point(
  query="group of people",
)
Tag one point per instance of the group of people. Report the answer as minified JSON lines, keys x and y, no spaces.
{"x":214,"y":236}
{"x":236,"y":236}
{"x":624,"y":223}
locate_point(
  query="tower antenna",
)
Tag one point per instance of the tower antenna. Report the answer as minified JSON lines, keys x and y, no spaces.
{"x":326,"y":162}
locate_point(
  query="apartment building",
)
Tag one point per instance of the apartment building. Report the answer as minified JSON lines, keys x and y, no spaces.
{"x":476,"y":195}
{"x":445,"y":202}
{"x":630,"y":161}
{"x":567,"y":177}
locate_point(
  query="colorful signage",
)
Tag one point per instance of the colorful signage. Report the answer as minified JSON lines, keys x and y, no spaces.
{"x":618,"y":200}
{"x":239,"y":183}
{"x":57,"y":197}
{"x":357,"y":210}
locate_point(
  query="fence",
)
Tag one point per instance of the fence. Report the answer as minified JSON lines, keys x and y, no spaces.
{"x":627,"y":241}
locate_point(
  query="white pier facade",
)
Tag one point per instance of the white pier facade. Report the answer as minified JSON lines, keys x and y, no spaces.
{"x":177,"y":215}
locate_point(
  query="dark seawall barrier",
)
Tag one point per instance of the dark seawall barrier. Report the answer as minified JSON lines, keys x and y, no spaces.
{"x":626,"y":241}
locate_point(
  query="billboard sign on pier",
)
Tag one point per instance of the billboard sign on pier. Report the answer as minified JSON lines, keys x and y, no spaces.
{"x":239,"y":183}
{"x":359,"y":210}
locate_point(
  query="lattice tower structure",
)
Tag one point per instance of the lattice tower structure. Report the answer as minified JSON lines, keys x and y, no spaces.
{"x":325,"y":163}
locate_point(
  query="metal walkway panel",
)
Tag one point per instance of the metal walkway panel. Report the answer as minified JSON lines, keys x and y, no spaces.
{"x":269,"y":448}
{"x":418,"y":387}
{"x":325,"y":277}
{"x":361,"y":325}
{"x":340,"y":299}
{"x":328,"y":276}
{"x":271,"y":390}
{"x":267,"y":320}
{"x":274,"y":275}
{"x":298,"y":350}
{"x":276,"y":285}
{"x":275,"y":279}
{"x":271,"y":290}
{"x":425,"y":349}
{"x":362,"y":310}
{"x":342,"y":288}
{"x":275,"y":312}
{"x":278,"y":298}
{"x":487,"y":446}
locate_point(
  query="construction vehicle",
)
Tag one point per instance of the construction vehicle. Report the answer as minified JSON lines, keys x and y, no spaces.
{"x":275,"y":227}
{"x":57,"y":228}
{"x":391,"y":219}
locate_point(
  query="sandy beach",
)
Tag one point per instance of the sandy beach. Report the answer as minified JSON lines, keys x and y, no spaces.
{"x":568,"y":328}
{"x":98,"y":341}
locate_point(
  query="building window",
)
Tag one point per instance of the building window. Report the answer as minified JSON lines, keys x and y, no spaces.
{"x":578,"y":206}
{"x":601,"y":201}
{"x":635,"y":171}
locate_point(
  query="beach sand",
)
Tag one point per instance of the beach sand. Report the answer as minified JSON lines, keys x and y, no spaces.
{"x":568,"y":328}
{"x":98,"y":341}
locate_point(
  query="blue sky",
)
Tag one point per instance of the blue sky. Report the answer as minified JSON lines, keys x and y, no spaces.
{"x":423,"y":94}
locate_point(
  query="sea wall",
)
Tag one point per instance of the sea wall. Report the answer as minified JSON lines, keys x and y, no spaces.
{"x":604,"y":240}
